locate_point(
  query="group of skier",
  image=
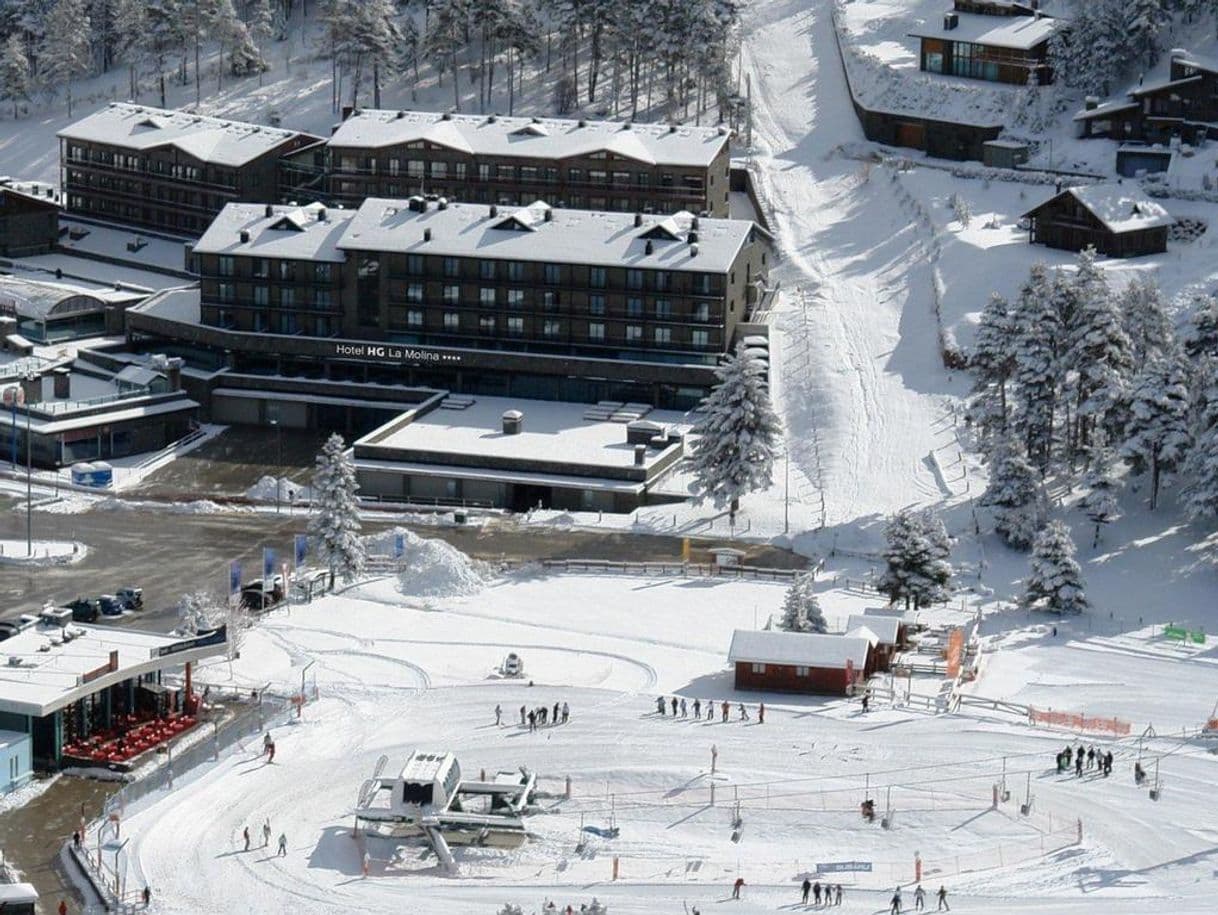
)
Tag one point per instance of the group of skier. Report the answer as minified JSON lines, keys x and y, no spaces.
{"x":266,"y":839}
{"x":832,"y":894}
{"x":538,"y":717}
{"x":1091,"y":758}
{"x":919,"y":900}
{"x":681,"y":708}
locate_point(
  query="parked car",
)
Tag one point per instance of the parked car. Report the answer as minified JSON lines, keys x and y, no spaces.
{"x":83,"y":610}
{"x":131,"y":598}
{"x":254,"y":597}
{"x":110,"y":605}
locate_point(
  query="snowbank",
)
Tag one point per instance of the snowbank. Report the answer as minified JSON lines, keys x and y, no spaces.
{"x":429,"y":567}
{"x":289,"y":490}
{"x":44,"y":552}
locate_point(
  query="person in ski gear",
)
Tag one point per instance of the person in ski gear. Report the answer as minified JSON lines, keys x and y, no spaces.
{"x":147,"y":895}
{"x":532,"y":721}
{"x":283,"y":846}
{"x":1107,"y":764}
{"x":684,"y":709}
{"x":919,"y":898}
{"x":541,"y":716}
{"x":270,"y":753}
{"x":866,"y":701}
{"x":674,"y":706}
{"x":761,"y":713}
{"x":895,"y":909}
{"x":554,"y":717}
{"x":837,"y":892}
{"x":63,"y":907}
{"x":943,"y":906}
{"x":1069,"y":753}
{"x":498,"y":715}
{"x":697,"y":708}
{"x":267,"y":742}
{"x":522,"y":714}
{"x":807,"y":888}
{"x":815,"y":892}
{"x":566,"y":712}
{"x":1090,"y":758}
{"x":246,"y":833}
{"x":660,"y":705}
{"x":726,"y":709}
{"x":1139,"y":774}
{"x":1078,"y":765}
{"x":737,"y":887}
{"x":710,"y":710}
{"x":266,"y":833}
{"x":744,"y":713}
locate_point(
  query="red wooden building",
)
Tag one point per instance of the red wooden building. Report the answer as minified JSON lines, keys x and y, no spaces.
{"x":798,"y":662}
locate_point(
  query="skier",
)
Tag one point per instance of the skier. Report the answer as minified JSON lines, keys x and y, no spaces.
{"x":726,"y":710}
{"x":660,"y":705}
{"x":270,"y":753}
{"x":761,"y":713}
{"x":807,"y":888}
{"x":566,"y":712}
{"x":367,"y":861}
{"x":896,"y":902}
{"x":1078,"y":765}
{"x":1090,"y":758}
{"x":266,"y":833}
{"x":283,"y":846}
{"x":919,"y":898}
{"x":710,"y":710}
{"x":1068,"y":753}
{"x":697,"y":708}
{"x":837,"y":892}
{"x":246,"y":833}
{"x":1107,"y":764}
{"x":63,"y":907}
{"x":684,"y":709}
{"x":522,"y":714}
{"x":498,"y":716}
{"x":744,"y":713}
{"x":76,"y":838}
{"x":532,"y":721}
{"x":815,"y":892}
{"x":1139,"y":774}
{"x":866,"y":701}
{"x":267,"y":742}
{"x":943,"y":906}
{"x":1059,"y":760}
{"x":541,"y":716}
{"x":147,"y":895}
{"x":737,"y":887}
{"x":554,"y":717}
{"x":674,"y":706}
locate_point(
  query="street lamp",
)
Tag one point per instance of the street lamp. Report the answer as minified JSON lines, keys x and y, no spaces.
{"x":274,"y":421}
{"x":29,"y":478}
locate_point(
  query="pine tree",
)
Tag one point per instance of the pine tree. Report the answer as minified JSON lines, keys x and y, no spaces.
{"x":993,"y":364}
{"x":65,"y":53}
{"x":1157,"y":434}
{"x":1144,"y":318}
{"x":130,"y":23}
{"x":14,"y":71}
{"x":1100,"y":503}
{"x":1055,"y":579}
{"x":445,"y":36}
{"x":335,"y":526}
{"x":199,"y":611}
{"x":1014,"y":496}
{"x":800,"y":609}
{"x":261,"y":31}
{"x":1038,"y":320}
{"x":916,"y":552}
{"x":1145,"y":20}
{"x":1201,"y":466}
{"x":1201,"y":336}
{"x":738,"y":435}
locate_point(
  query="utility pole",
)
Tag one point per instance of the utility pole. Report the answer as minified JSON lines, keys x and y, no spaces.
{"x":29,"y":481}
{"x":786,"y":491}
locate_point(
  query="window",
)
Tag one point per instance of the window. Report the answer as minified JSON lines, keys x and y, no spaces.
{"x":662,"y":335}
{"x":506,"y":172}
{"x":395,"y":166}
{"x":702,"y":311}
{"x":452,"y":295}
{"x":486,"y":324}
{"x":528,"y":173}
{"x":553,"y":274}
{"x":663,"y":308}
{"x":323,"y":327}
{"x":459,"y":172}
{"x":414,"y":263}
{"x":452,"y":321}
{"x":596,"y":277}
{"x":550,"y":328}
{"x":802,"y":671}
{"x":439,"y":170}
{"x":515,"y":271}
{"x":596,"y":304}
{"x":551,"y":176}
{"x":287,"y":322}
{"x":663,"y":280}
{"x":322,"y":273}
{"x":224,"y":292}
{"x":322,"y":298}
{"x":486,"y":295}
{"x":597,"y":177}
{"x":700,"y":338}
{"x":414,"y":292}
{"x":621,"y":177}
{"x":484,"y":173}
{"x":634,"y":333}
{"x":225,"y":265}
{"x":642,"y":179}
{"x":515,"y":297}
{"x":634,"y":279}
{"x":515,"y":327}
{"x":703,"y":283}
{"x":262,"y":295}
{"x":261,"y":268}
{"x":486,"y":270}
{"x":634,"y":307}
{"x":414,"y":168}
{"x":287,"y":297}
{"x":452,"y":266}
{"x":575,"y":175}
{"x":596,"y":331}
{"x":414,"y":317}
{"x":758,"y":668}
{"x":287,"y":271}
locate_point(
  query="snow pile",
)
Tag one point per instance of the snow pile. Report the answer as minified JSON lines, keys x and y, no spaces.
{"x":264,"y":490}
{"x":45,"y":552}
{"x":430,"y":567}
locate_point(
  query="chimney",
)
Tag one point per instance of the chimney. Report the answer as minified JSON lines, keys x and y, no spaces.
{"x":427,"y":235}
{"x":1091,"y":103}
{"x":32,"y":388}
{"x":627,"y":126}
{"x":692,"y":238}
{"x":513,"y":422}
{"x":173,"y":372}
{"x":492,"y":119}
{"x":640,"y":455}
{"x":270,"y":210}
{"x":693,"y":250}
{"x":950,"y":21}
{"x":442,"y":203}
{"x":494,"y":211}
{"x":582,"y":123}
{"x":638,"y":220}
{"x":114,"y":659}
{"x":549,"y":217}
{"x":693,"y":223}
{"x":401,"y":114}
{"x":245,"y":237}
{"x":672,"y":128}
{"x":321,"y":214}
{"x":649,"y":247}
{"x":63,"y":384}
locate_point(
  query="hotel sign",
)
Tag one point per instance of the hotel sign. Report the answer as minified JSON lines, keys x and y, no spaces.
{"x":393,"y":352}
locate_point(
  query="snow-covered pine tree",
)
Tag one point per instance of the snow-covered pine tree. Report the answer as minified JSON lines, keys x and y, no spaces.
{"x":130,"y":21}
{"x":800,"y":608}
{"x":1201,"y":335}
{"x":246,"y":57}
{"x":993,"y":365}
{"x":65,"y":52}
{"x":1100,"y":503}
{"x":1013,"y":494}
{"x":916,"y":551}
{"x":1145,"y":21}
{"x":335,"y":523}
{"x":1201,"y":465}
{"x":1144,"y":318}
{"x":1038,"y":336}
{"x":375,"y":45}
{"x":262,"y":30}
{"x":1157,"y":433}
{"x":447,"y":22}
{"x":14,"y":71}
{"x":738,"y":435}
{"x":1055,"y":579}
{"x":164,"y":32}
{"x":1098,"y":351}
{"x":199,"y":611}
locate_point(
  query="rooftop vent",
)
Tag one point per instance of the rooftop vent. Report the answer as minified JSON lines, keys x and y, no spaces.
{"x":245,"y":237}
{"x":638,"y":220}
{"x":581,"y":123}
{"x":492,"y":119}
{"x":270,"y":210}
{"x":627,"y":126}
{"x":672,"y":128}
{"x":494,"y":211}
{"x":513,"y":422}
{"x":536,"y":120}
{"x":401,"y":114}
{"x":693,"y":223}
{"x":722,"y":131}
{"x":648,"y":248}
{"x":442,"y":203}
{"x":427,"y":235}
{"x":549,"y":215}
{"x":1091,"y":103}
{"x":693,"y":250}
{"x":640,"y":455}
{"x":692,"y":238}
{"x":446,"y":116}
{"x":950,"y":21}
{"x":417,"y":205}
{"x":321,"y":214}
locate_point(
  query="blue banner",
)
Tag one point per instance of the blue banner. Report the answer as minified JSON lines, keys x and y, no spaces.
{"x":302,"y":549}
{"x":268,"y":563}
{"x":234,"y":577}
{"x":399,"y":545}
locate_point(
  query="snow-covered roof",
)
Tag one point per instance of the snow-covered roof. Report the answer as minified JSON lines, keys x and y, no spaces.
{"x":309,"y":232}
{"x":38,"y":191}
{"x":37,"y":300}
{"x":541,"y":138}
{"x":138,"y":375}
{"x":801,"y":649}
{"x":40,"y":672}
{"x":1197,"y":61}
{"x":426,"y":767}
{"x":1159,"y":85}
{"x":1102,"y":111}
{"x":1019,"y":33}
{"x":208,"y":139}
{"x":1120,"y":207}
{"x":567,"y":236}
{"x":883,"y":628}
{"x":864,"y":633}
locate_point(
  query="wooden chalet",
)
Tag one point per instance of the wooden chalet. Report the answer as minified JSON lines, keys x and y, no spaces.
{"x":1183,"y":105}
{"x":1118,"y":220}
{"x":29,"y":218}
{"x":799,"y":662}
{"x":998,"y":42}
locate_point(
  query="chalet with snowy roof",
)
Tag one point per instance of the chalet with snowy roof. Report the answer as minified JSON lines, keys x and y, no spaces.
{"x":1118,"y":220}
{"x":998,"y":42}
{"x":168,"y":170}
{"x":884,"y":630}
{"x":1184,"y":105}
{"x":29,"y":217}
{"x":802,"y":662}
{"x":574,"y":164}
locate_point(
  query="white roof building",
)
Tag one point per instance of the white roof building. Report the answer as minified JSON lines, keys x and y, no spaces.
{"x":208,"y":139}
{"x":1122,"y":207}
{"x":540,"y":233}
{"x":309,"y":232}
{"x":543,"y":138}
{"x":1017,"y":33}
{"x":799,"y":649}
{"x":884,"y":629}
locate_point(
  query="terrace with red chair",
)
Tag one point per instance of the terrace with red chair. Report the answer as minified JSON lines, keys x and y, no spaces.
{"x":129,"y":737}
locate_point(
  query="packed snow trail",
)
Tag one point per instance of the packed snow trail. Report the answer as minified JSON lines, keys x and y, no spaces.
{"x":871,"y":383}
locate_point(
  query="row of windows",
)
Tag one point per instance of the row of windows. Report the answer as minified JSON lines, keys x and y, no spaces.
{"x":799,"y":671}
{"x":491,"y":297}
{"x":288,"y":271}
{"x":416,"y":319}
{"x":285,"y":296}
{"x":168,"y":218}
{"x":439,"y":170}
{"x":161,"y":193}
{"x":180,"y":171}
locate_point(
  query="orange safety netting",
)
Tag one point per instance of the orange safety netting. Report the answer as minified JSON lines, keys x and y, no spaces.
{"x":1076,"y":722}
{"x":955,"y":652}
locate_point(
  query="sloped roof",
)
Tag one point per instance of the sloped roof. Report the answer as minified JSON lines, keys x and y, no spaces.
{"x":884,"y":628}
{"x":801,"y":649}
{"x":543,"y":138}
{"x":294,"y":233}
{"x":1120,"y":207}
{"x":1019,"y":33}
{"x":208,"y":139}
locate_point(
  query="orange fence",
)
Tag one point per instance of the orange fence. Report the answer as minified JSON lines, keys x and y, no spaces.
{"x":1074,"y":722}
{"x":954,"y":652}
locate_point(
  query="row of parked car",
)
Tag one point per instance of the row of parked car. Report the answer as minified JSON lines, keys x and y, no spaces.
{"x":89,"y":609}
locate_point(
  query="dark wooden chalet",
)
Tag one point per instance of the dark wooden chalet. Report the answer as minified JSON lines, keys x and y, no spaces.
{"x":29,"y":218}
{"x":1001,"y":43}
{"x":1118,"y":220}
{"x":1184,"y":105}
{"x":798,"y":662}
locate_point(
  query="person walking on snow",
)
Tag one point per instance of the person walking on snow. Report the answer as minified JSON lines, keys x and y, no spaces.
{"x":1090,"y":758}
{"x":522,"y":714}
{"x":761,"y":713}
{"x":726,"y":710}
{"x":270,"y":753}
{"x":943,"y":906}
{"x":660,"y":705}
{"x":815,"y":892}
{"x":737,"y":887}
{"x":1078,"y":765}
{"x":684,"y":709}
{"x":246,"y":833}
{"x":283,"y":846}
{"x":674,"y":706}
{"x":919,"y":898}
{"x":838,"y":894}
{"x":698,"y":708}
{"x":266,"y":833}
{"x":566,"y":712}
{"x":807,"y":888}
{"x":710,"y":710}
{"x":866,"y":699}
{"x":744,"y":713}
{"x":895,"y":909}
{"x":554,"y":717}
{"x":498,"y":715}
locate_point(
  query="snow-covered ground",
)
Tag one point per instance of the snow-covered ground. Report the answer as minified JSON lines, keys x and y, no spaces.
{"x":40,"y":552}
